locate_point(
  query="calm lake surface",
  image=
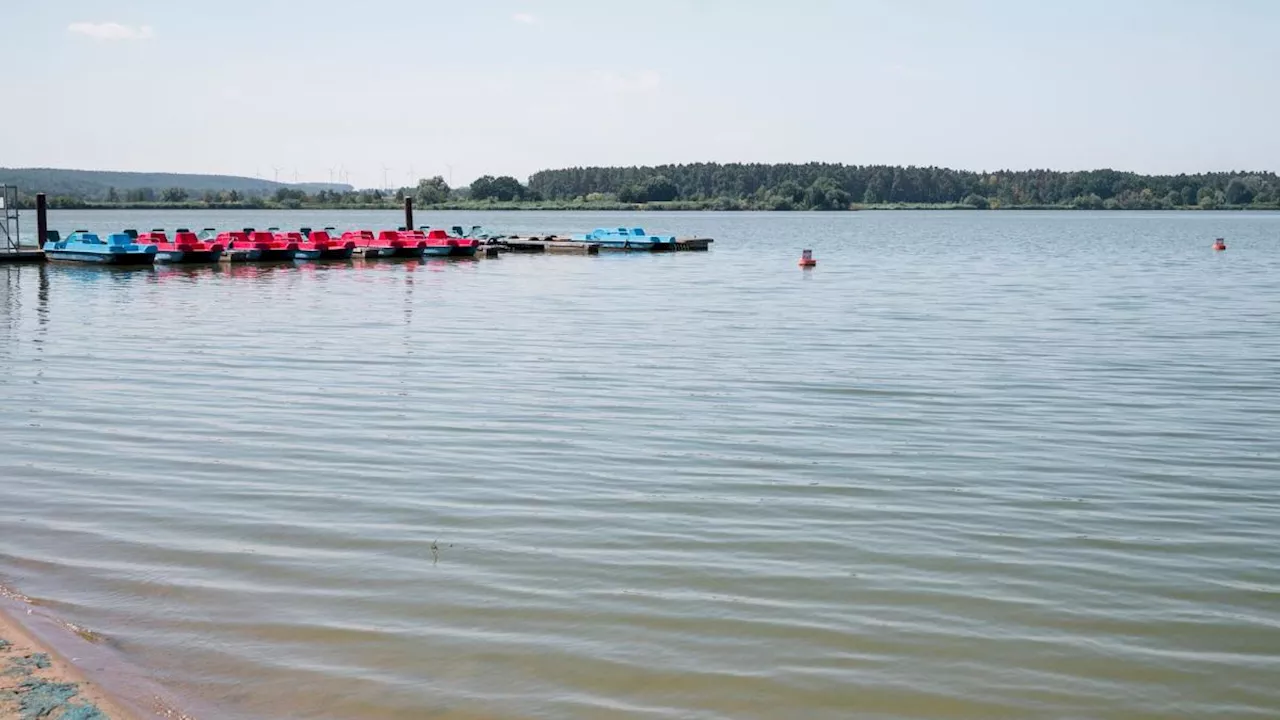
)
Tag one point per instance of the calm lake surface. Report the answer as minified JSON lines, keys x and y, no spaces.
{"x":974,"y":465}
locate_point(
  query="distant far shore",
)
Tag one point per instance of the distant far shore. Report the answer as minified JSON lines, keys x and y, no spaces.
{"x":697,"y":186}
{"x":557,"y":206}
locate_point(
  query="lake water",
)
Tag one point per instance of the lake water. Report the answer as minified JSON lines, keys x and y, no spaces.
{"x":974,"y":465}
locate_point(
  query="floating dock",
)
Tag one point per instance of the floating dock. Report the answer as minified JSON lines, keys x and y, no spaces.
{"x":563,"y":245}
{"x":13,"y":257}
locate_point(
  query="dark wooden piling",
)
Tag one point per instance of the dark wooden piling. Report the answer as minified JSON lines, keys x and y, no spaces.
{"x":42,"y":219}
{"x":408,"y":213}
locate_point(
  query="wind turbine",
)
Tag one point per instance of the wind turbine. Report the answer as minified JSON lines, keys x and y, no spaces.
{"x":277,"y":176}
{"x":449,"y":167}
{"x":331,"y":176}
{"x":386,"y":184}
{"x":295,"y":175}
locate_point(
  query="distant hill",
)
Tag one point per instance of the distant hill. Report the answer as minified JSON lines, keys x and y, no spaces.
{"x":97,"y":184}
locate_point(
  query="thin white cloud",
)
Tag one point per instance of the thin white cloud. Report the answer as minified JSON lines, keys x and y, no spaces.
{"x":524,"y":18}
{"x":111,"y":31}
{"x":642,"y":81}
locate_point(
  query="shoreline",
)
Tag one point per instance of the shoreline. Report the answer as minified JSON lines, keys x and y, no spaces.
{"x":674,"y":206}
{"x":44,"y":671}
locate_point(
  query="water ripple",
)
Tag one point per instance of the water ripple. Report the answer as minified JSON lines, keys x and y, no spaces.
{"x":976,"y":465}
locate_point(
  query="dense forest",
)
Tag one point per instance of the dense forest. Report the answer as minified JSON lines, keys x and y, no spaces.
{"x":813,"y":186}
{"x":828,"y":186}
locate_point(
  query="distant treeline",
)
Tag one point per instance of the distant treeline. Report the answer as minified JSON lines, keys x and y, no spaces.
{"x":826,"y":186}
{"x":102,"y":186}
{"x":178,"y":197}
{"x":814,"y":186}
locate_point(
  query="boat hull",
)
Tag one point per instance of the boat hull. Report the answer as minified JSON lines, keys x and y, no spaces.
{"x":188,"y":257}
{"x":463,"y":251}
{"x":274,"y":255}
{"x":306,"y":254}
{"x":74,"y":256}
{"x":626,"y":245}
{"x":437,"y":251}
{"x":337,"y":254}
{"x":409,"y":252}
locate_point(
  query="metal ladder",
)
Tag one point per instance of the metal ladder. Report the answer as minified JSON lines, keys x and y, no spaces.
{"x":9,"y":230}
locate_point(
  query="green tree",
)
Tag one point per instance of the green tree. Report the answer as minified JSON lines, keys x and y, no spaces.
{"x":1238,"y":192}
{"x":112,"y":195}
{"x":482,"y":188}
{"x":284,"y":195}
{"x":780,"y":203}
{"x":1208,"y":198}
{"x":791,"y":190}
{"x":976,"y":201}
{"x":660,"y":189}
{"x":174,"y":195}
{"x":506,"y":188}
{"x":632,"y":194}
{"x":826,"y":194}
{"x":432,"y":191}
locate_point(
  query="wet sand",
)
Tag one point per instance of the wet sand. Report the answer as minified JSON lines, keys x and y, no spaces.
{"x":52,"y":668}
{"x":36,"y":682}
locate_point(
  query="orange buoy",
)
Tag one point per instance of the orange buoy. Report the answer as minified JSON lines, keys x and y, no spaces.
{"x":806,"y":259}
{"x":1219,"y":244}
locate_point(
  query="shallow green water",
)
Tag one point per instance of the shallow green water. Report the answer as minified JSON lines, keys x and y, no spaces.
{"x":975,"y":465}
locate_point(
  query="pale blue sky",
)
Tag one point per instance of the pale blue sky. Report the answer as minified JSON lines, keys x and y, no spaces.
{"x":513,"y":86}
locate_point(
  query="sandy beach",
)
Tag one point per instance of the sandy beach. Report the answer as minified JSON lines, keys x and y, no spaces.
{"x":36,"y":682}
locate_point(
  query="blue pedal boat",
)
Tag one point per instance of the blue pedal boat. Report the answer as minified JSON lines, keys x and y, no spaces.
{"x":628,"y":239}
{"x":86,"y":247}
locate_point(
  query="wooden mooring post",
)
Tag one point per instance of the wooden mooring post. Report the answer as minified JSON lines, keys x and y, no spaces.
{"x":408,"y":213}
{"x":42,"y":219}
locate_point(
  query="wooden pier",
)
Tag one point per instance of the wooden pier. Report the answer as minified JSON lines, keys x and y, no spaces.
{"x":694,"y":244}
{"x":14,"y":257}
{"x":549,"y":244}
{"x":556,"y":244}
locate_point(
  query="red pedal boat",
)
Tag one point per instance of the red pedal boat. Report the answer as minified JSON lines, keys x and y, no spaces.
{"x":408,"y":243}
{"x":370,"y":246}
{"x":455,"y":246}
{"x":185,"y":247}
{"x":303,"y":248}
{"x":331,"y":248}
{"x":269,"y":246}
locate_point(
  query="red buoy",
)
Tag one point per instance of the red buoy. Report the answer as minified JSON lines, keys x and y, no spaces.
{"x":1219,"y":244}
{"x":806,"y":259}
